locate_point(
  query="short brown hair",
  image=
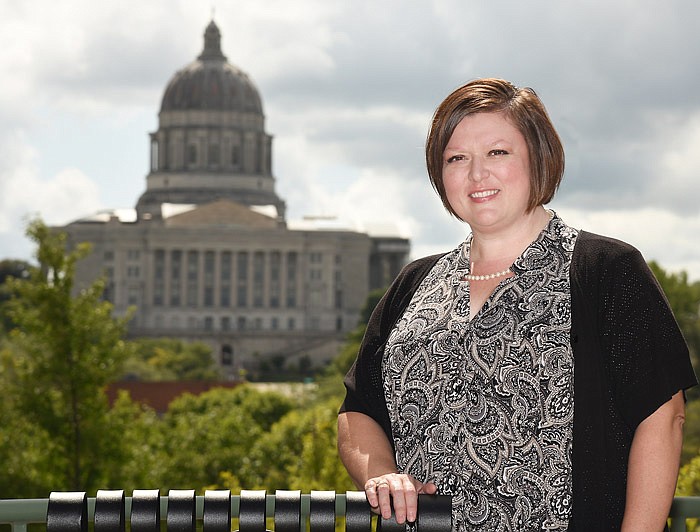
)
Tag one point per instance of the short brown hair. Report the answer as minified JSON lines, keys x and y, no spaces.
{"x":525,"y":111}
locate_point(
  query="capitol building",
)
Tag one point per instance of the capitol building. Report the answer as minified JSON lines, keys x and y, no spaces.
{"x":208,"y":254}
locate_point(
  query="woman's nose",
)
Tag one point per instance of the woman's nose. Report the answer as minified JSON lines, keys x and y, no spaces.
{"x":478,"y":170}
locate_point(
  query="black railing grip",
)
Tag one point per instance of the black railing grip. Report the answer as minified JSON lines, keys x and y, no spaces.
{"x":322,"y":511}
{"x":358,"y":514}
{"x":70,"y":511}
{"x":287,"y":511}
{"x":145,"y":511}
{"x":67,"y":512}
{"x":217,"y":511}
{"x":434,"y":513}
{"x":181,"y":516}
{"x":252,"y":511}
{"x":109,"y":511}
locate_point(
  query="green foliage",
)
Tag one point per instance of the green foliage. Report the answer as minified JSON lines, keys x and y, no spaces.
{"x":63,"y":349}
{"x":133,"y":432}
{"x":691,"y":432}
{"x":689,"y":479}
{"x":215,"y":432}
{"x":299,"y":452}
{"x":10,"y":268}
{"x":168,"y":359}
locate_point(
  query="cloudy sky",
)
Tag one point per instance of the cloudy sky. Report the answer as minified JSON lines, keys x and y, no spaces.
{"x":348,"y":89}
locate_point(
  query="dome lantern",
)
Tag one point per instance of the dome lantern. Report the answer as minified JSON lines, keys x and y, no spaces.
{"x":212,"y":44}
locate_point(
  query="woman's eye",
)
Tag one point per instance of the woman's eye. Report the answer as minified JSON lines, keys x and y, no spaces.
{"x":498,"y":152}
{"x":455,"y":158}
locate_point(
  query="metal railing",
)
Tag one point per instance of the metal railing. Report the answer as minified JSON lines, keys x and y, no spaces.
{"x":216,"y":511}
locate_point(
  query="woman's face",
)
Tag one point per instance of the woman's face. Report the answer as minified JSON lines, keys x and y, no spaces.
{"x":486,"y":172}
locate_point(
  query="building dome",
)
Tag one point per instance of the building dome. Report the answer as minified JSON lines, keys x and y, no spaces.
{"x":211,"y":83}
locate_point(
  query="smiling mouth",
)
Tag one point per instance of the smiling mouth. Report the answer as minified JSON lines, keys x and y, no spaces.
{"x":483,"y":194}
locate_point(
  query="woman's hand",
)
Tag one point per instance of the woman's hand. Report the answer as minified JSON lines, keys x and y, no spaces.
{"x":401,"y":490}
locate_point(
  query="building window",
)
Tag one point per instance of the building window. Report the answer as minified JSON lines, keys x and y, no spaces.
{"x":208,"y":323}
{"x":159,"y":278}
{"x":133,"y":272}
{"x":108,"y":255}
{"x":338,"y":288}
{"x":225,"y":323}
{"x":225,"y":280}
{"x":291,"y":324}
{"x":338,"y":298}
{"x":108,"y":292}
{"x":236,"y":156}
{"x":175,"y":274}
{"x":133,"y":254}
{"x":275,"y":264}
{"x":292,"y":266}
{"x":315,"y":297}
{"x":192,"y":278}
{"x":242,"y":279}
{"x":274,"y":323}
{"x":213,"y":155}
{"x":258,"y":278}
{"x":241,"y":323}
{"x":154,"y":155}
{"x":226,"y":355}
{"x":134,"y":295}
{"x":209,"y":258}
{"x":192,"y":154}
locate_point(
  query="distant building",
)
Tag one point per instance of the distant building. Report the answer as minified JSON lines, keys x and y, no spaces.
{"x":208,"y":254}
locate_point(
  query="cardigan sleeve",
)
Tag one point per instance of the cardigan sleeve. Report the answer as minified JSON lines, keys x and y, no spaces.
{"x":647,"y":357}
{"x":364,"y":382}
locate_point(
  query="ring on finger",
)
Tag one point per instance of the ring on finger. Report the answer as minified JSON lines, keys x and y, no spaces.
{"x":381,"y":483}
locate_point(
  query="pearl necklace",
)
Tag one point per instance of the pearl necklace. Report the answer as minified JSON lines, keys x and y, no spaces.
{"x":470,"y":277}
{"x":502,"y":273}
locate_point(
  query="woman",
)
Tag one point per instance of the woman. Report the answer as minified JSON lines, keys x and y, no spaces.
{"x":535,"y":372}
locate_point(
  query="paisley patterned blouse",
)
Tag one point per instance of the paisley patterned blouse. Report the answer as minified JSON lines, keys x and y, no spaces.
{"x":484,"y":407}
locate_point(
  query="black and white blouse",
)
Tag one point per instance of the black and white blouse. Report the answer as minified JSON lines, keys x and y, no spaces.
{"x":484,"y":407}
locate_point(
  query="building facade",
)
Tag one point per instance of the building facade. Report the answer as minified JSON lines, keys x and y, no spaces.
{"x":208,"y":254}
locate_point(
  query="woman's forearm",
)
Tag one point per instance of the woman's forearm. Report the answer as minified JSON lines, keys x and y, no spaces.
{"x":653,"y":467}
{"x":363,"y":448}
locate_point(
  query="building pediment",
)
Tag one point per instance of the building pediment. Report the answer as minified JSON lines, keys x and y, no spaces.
{"x":221,"y":213}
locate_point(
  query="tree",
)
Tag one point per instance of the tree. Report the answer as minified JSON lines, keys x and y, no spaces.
{"x":64,"y":348}
{"x":213,"y":435}
{"x":164,"y":359}
{"x":10,"y":268}
{"x":298,"y":452}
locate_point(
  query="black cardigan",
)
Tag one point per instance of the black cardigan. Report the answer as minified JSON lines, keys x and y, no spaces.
{"x":629,"y":359}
